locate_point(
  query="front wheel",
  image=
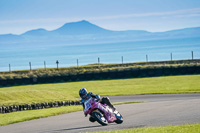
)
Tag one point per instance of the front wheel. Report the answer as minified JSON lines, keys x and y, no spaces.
{"x":100,"y":118}
{"x":119,"y":118}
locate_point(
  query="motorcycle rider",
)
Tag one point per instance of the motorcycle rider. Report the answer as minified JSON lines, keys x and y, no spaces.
{"x":85,"y":96}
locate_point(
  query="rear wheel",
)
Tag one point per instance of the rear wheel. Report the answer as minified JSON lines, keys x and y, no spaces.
{"x":100,"y":118}
{"x":119,"y":118}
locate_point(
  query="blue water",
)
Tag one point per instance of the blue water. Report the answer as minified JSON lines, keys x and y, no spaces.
{"x":67,"y":55}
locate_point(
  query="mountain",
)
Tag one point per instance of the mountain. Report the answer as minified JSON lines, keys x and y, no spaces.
{"x":86,"y":32}
{"x":180,"y":33}
{"x":10,"y":38}
{"x":37,"y":32}
{"x":80,"y":28}
{"x":183,"y":32}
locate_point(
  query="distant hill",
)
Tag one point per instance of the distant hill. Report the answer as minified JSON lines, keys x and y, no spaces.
{"x":80,"y":28}
{"x":37,"y":32}
{"x":86,"y":32}
{"x":180,"y":33}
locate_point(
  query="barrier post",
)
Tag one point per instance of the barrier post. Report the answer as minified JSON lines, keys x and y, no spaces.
{"x":192,"y":55}
{"x":30,"y":66}
{"x":171,"y":56}
{"x":146,"y":58}
{"x":45,"y":65}
{"x":77,"y":63}
{"x":9,"y":68}
{"x":99,"y":62}
{"x":57,"y":62}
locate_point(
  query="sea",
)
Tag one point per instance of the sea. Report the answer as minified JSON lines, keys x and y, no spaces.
{"x":20,"y":57}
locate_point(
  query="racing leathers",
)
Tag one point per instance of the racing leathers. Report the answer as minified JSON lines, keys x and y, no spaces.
{"x":104,"y":100}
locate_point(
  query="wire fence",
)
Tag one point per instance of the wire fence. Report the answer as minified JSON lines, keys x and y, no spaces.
{"x":57,"y":62}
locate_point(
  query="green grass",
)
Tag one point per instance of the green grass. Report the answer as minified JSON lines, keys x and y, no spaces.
{"x":69,"y":91}
{"x":192,"y":128}
{"x":10,"y":118}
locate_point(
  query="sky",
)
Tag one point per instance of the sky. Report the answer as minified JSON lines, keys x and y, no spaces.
{"x":19,"y":16}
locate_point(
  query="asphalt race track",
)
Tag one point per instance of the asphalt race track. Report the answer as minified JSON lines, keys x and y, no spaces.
{"x":158,"y":110}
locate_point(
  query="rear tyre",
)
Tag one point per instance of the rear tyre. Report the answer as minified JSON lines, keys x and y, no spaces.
{"x":119,"y":118}
{"x":100,"y":118}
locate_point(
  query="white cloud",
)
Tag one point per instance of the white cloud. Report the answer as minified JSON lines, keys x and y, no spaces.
{"x":195,"y":12}
{"x":19,"y":26}
{"x":41,"y":20}
{"x":184,"y":13}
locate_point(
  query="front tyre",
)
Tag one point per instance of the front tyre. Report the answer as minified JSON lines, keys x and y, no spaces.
{"x":99,"y":118}
{"x":119,"y":117}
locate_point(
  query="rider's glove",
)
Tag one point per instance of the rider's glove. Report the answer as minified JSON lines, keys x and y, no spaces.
{"x":97,"y":97}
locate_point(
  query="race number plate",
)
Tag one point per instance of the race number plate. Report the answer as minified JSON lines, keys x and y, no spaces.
{"x":88,"y":105}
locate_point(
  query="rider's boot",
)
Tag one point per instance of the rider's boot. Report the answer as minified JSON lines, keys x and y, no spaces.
{"x":107,"y":101}
{"x":113,"y":107}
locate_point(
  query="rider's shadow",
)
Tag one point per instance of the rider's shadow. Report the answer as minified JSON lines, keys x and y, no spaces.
{"x":77,"y":128}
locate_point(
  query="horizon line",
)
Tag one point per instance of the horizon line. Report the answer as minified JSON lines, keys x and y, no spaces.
{"x":102,"y":28}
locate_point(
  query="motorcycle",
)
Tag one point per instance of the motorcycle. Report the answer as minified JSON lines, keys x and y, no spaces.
{"x":101,"y":112}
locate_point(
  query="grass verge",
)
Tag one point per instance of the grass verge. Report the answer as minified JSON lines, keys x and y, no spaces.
{"x":192,"y":128}
{"x":10,"y":118}
{"x":39,"y":93}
